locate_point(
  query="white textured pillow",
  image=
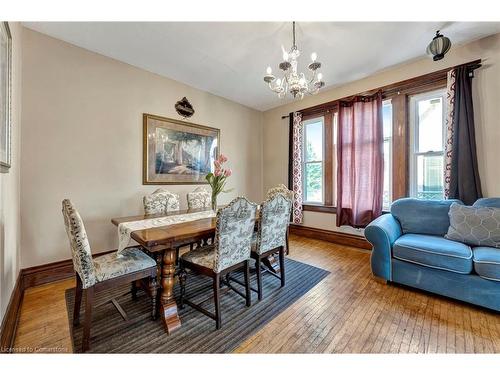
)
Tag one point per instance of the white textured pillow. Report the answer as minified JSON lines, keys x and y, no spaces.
{"x":476,"y":226}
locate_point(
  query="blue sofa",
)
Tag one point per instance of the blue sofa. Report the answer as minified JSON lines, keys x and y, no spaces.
{"x":409,"y":248}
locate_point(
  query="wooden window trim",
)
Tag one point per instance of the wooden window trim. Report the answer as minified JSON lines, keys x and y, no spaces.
{"x":328,"y":163}
{"x":319,"y":208}
{"x":399,"y":94}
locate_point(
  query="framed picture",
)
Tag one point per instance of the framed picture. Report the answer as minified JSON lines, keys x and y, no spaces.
{"x":5,"y":95}
{"x":177,"y":152}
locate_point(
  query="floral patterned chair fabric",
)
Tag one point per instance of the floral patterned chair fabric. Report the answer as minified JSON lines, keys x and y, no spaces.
{"x":161,"y":201}
{"x":199,"y":198}
{"x":103,"y":267}
{"x":202,"y":256}
{"x":132,"y":259}
{"x":80,"y":247}
{"x":274,"y":219}
{"x":280,"y":189}
{"x":233,"y":237}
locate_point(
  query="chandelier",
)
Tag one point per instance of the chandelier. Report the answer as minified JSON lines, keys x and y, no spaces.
{"x":295,"y":83}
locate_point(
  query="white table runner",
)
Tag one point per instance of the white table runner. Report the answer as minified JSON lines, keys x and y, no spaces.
{"x":125,"y":229}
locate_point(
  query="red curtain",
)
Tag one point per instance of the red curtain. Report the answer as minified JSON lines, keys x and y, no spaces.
{"x":360,"y":165}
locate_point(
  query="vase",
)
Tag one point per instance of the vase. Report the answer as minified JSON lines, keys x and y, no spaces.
{"x":214,"y":203}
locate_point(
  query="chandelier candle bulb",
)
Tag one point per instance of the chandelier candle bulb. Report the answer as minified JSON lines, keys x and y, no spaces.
{"x":293,"y":82}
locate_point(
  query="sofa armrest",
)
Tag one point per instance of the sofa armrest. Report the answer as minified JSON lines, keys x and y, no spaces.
{"x":382,"y":233}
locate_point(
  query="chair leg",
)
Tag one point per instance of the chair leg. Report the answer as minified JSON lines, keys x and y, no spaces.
{"x":282,"y":265}
{"x":259,"y":278}
{"x":177,"y":256}
{"x":154,"y":291}
{"x":216,"y":286}
{"x":134,"y":290}
{"x":287,"y":242}
{"x":89,"y":301}
{"x":182,"y":283}
{"x":248,"y":293}
{"x":78,"y":301}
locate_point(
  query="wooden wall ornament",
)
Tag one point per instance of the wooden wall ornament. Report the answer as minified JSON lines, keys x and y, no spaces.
{"x":184,"y":108}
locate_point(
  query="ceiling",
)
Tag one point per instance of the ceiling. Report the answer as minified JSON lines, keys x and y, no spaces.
{"x":230,"y":58}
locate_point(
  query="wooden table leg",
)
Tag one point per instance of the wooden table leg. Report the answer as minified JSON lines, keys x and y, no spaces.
{"x":168,"y":307}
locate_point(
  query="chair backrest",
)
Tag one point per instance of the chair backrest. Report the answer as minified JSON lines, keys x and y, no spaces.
{"x":233,"y":234}
{"x":80,"y":247}
{"x":280,"y":189}
{"x":274,"y":219}
{"x":161,"y":201}
{"x":199,"y":198}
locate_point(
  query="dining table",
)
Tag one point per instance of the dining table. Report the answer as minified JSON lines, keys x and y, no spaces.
{"x":162,"y":244}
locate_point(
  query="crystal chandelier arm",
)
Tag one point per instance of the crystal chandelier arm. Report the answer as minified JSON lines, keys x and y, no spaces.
{"x":294,"y":82}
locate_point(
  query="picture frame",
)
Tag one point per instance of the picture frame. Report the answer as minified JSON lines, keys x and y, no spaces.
{"x":5,"y":96}
{"x":177,"y":152}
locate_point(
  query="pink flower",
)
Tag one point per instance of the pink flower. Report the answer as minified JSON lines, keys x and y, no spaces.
{"x":222,"y":158}
{"x":217,"y":164}
{"x":218,"y":172}
{"x":228,"y":172}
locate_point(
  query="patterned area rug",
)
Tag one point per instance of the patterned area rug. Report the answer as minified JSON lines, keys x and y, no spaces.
{"x":110,"y":334}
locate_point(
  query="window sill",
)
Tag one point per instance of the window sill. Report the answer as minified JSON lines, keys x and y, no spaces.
{"x":319,"y":208}
{"x":328,"y":209}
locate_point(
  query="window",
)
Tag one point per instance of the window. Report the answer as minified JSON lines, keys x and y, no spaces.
{"x":427,"y":125}
{"x":413,"y":123}
{"x":387,"y":123}
{"x":313,"y":168}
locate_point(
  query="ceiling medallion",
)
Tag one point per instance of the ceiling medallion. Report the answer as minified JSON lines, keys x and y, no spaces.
{"x":293,"y":82}
{"x":184,"y":108}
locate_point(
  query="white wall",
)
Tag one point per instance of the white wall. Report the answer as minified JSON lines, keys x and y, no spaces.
{"x":82,"y":139}
{"x":486,"y":91}
{"x":10,"y":185}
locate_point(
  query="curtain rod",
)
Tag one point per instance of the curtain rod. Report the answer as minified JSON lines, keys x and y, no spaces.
{"x":472,"y":65}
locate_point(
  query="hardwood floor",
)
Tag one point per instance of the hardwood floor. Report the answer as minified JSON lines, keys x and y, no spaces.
{"x":348,"y":312}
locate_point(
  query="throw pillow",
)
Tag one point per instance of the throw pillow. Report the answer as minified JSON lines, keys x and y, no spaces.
{"x":475,"y":226}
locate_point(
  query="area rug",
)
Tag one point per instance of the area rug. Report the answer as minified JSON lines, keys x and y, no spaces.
{"x":110,"y":334}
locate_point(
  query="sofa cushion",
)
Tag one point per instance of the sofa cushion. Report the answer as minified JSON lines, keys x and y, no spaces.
{"x":487,"y":262}
{"x":433,"y":251}
{"x":476,"y":226}
{"x":423,"y":216}
{"x":487,"y":202}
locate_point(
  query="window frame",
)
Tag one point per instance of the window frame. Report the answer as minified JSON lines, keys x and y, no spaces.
{"x":399,"y":93}
{"x":413,"y":124}
{"x":313,"y":120}
{"x":329,"y":160}
{"x":390,"y":161}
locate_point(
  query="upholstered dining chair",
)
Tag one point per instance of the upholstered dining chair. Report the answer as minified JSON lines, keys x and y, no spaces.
{"x":230,"y":252}
{"x":282,"y":189}
{"x":103,"y":272}
{"x":199,"y":198}
{"x":161,"y":201}
{"x":271,"y":235}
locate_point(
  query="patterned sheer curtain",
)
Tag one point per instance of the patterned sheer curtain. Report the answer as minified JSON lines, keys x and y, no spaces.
{"x":450,"y":105}
{"x":295,"y":165}
{"x":359,"y":161}
{"x":461,"y":173}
